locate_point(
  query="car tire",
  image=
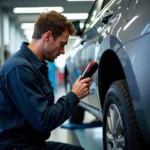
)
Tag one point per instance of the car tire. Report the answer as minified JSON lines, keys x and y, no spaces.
{"x":120,"y":129}
{"x":78,"y":112}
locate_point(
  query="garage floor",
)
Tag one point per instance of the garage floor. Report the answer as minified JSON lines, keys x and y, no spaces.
{"x":90,"y":139}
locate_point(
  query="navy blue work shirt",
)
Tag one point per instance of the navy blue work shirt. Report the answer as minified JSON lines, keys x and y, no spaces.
{"x":27,"y":110}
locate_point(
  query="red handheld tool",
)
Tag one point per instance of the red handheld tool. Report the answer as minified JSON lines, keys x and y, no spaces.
{"x":90,"y":69}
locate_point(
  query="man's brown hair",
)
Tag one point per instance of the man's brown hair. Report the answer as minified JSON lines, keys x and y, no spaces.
{"x":54,"y":22}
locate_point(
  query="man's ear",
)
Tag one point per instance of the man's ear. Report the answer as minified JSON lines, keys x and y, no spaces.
{"x":48,"y":35}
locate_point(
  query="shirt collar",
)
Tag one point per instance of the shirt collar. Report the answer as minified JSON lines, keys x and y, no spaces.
{"x":32,"y":57}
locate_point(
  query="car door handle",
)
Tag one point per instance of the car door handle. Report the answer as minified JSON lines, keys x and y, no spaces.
{"x":108,"y":14}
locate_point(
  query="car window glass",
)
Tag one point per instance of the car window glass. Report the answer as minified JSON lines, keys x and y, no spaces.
{"x":95,"y":9}
{"x":105,"y":2}
{"x":109,"y":6}
{"x":99,"y":5}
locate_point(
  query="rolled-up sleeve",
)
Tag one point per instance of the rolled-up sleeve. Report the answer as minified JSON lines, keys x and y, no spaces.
{"x":26,"y":93}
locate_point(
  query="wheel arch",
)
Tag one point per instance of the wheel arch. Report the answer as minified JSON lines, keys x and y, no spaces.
{"x":110,"y":70}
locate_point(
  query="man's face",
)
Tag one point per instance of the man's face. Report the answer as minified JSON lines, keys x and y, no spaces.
{"x":54,"y":48}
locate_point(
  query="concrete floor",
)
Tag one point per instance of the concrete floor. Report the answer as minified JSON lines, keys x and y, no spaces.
{"x":90,"y":139}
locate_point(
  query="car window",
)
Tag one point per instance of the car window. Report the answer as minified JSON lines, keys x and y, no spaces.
{"x":95,"y":10}
{"x":105,"y":2}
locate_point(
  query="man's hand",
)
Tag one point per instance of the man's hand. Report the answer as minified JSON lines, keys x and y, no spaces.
{"x":81,"y":87}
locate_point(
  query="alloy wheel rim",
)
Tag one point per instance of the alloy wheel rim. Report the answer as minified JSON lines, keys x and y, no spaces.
{"x":114,"y":129}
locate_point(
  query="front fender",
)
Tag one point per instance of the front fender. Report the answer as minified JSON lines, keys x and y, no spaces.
{"x":134,"y":57}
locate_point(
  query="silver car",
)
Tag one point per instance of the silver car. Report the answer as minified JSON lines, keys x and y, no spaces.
{"x":118,"y":39}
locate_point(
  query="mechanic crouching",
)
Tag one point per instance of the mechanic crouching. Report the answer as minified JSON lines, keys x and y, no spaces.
{"x":27,"y":110}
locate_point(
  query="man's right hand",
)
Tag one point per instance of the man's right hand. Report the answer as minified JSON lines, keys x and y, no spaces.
{"x":81,"y":87}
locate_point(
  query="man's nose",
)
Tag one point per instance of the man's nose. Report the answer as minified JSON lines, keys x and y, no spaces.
{"x":62,"y":50}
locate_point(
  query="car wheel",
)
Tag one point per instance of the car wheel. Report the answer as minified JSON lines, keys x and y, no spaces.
{"x":120,"y":130}
{"x":78,"y":112}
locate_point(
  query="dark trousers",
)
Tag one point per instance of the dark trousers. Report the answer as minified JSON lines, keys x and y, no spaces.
{"x":54,"y":146}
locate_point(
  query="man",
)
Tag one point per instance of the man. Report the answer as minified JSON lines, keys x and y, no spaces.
{"x":27,"y":110}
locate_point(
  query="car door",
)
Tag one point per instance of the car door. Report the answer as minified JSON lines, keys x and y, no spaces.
{"x":90,"y":56}
{"x":91,"y":47}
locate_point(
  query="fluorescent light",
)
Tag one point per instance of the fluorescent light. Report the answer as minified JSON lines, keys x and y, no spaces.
{"x":27,"y":25}
{"x":74,"y":16}
{"x":79,"y":0}
{"x":36,"y":9}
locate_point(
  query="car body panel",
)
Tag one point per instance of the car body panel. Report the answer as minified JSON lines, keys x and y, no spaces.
{"x":137,"y":74}
{"x":127,"y":36}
